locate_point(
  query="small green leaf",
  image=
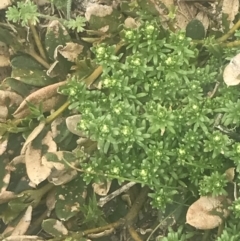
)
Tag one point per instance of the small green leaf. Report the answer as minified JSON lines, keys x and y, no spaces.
{"x":54,"y":227}
{"x":70,"y":197}
{"x":33,"y":77}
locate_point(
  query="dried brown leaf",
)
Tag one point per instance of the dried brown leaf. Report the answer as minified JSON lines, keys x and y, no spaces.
{"x":208,"y":212}
{"x":231,"y":72}
{"x":102,"y":189}
{"x":230,"y":7}
{"x":49,"y":142}
{"x":185,"y":14}
{"x":37,"y":130}
{"x":10,"y":97}
{"x":72,"y":122}
{"x":3,"y":145}
{"x":48,"y":96}
{"x":6,"y":196}
{"x":60,"y":227}
{"x":98,"y":10}
{"x":203,"y":18}
{"x":61,"y":177}
{"x":71,"y":51}
{"x":50,"y":201}
{"x":5,"y":3}
{"x":54,"y":126}
{"x":35,"y":170}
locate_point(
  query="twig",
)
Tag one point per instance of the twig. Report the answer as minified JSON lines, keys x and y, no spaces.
{"x":134,"y":234}
{"x":229,"y":33}
{"x":104,"y":200}
{"x":128,"y":220}
{"x":55,"y":114}
{"x":212,"y":93}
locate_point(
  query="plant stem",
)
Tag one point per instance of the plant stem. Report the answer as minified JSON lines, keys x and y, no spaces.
{"x":38,"y":58}
{"x":55,"y":114}
{"x":229,"y":33}
{"x":37,"y":41}
{"x":231,"y":44}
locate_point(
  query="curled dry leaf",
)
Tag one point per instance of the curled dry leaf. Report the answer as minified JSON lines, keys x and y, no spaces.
{"x":231,"y":73}
{"x":16,"y":160}
{"x":47,"y":96}
{"x":102,"y":189}
{"x":72,"y":122}
{"x":208,"y":212}
{"x":24,"y":223}
{"x":71,"y":51}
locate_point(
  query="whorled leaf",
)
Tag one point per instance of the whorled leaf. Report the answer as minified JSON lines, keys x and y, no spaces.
{"x":230,"y":7}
